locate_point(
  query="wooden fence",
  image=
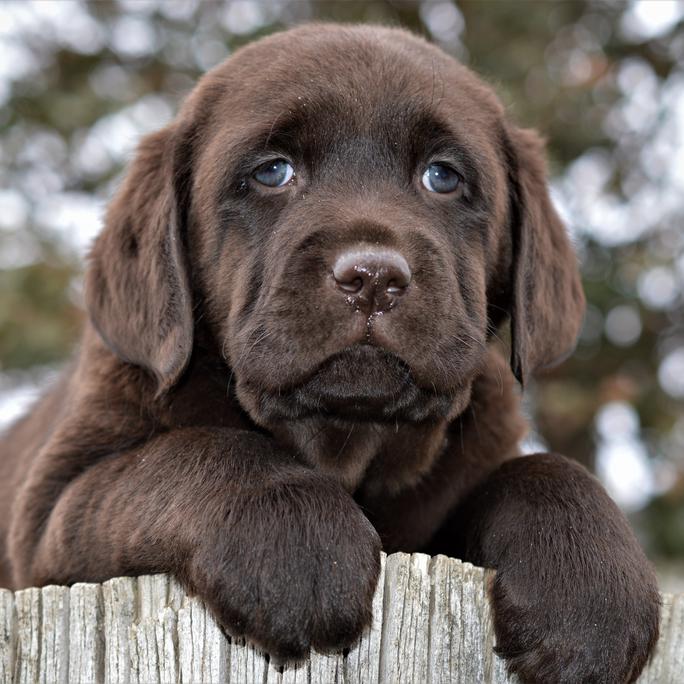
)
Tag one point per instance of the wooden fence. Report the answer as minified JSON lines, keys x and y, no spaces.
{"x":431,"y":623}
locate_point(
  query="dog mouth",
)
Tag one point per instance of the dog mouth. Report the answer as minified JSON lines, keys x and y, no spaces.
{"x":362,"y":376}
{"x":361,"y":383}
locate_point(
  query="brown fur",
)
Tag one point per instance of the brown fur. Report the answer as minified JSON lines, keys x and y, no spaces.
{"x":230,"y":418}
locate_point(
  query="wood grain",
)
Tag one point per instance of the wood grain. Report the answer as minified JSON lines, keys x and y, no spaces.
{"x":431,"y":624}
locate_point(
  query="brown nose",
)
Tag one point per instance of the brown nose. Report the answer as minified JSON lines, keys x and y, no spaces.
{"x":373,"y":279}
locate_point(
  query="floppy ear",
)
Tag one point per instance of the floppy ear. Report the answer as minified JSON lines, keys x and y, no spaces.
{"x":137,"y":290}
{"x":547,"y":301}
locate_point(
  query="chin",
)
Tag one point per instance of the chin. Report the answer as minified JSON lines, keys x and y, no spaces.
{"x":361,"y":383}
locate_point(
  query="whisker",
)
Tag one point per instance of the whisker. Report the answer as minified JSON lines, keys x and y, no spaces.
{"x":245,"y":350}
{"x":339,"y":453}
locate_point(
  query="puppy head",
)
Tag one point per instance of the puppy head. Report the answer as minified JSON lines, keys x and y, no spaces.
{"x":353,"y":216}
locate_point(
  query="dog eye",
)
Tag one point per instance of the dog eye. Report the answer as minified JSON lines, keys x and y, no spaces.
{"x":274,"y":173}
{"x":440,"y":178}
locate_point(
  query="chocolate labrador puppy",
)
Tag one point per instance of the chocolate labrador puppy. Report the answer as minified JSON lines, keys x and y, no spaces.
{"x":288,"y":366}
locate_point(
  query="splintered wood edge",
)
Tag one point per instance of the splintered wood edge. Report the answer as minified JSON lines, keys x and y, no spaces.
{"x":431,"y":624}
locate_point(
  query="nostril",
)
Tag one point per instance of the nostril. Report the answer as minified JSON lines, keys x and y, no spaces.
{"x":353,"y":286}
{"x":394,"y":288}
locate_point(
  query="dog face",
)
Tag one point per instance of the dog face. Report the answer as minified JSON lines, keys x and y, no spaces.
{"x":352,"y":217}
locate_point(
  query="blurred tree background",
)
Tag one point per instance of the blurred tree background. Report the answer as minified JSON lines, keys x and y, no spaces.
{"x":604,"y":81}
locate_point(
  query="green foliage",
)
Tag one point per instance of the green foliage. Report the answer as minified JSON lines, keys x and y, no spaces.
{"x":38,"y":321}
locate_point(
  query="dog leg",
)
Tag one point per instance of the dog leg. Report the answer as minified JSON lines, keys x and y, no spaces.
{"x":281,"y":554}
{"x":574,"y":597}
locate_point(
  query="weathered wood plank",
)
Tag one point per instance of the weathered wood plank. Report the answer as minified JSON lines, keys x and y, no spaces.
{"x":247,"y":664}
{"x":8,"y":635}
{"x":362,"y":664}
{"x":404,"y":643}
{"x":667,"y":664}
{"x":86,"y":638}
{"x":201,"y":644}
{"x":54,"y":635}
{"x":27,"y":663}
{"x":446,"y":625}
{"x":153,"y":638}
{"x":432,"y":624}
{"x":119,"y":615}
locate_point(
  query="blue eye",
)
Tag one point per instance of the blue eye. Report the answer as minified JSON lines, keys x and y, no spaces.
{"x":440,"y":178}
{"x":274,"y":173}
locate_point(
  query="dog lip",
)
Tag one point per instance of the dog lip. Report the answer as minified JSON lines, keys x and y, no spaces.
{"x":379,"y":372}
{"x":362,"y":379}
{"x":362,"y":374}
{"x":362,"y":382}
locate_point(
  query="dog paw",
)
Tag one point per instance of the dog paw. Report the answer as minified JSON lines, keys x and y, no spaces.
{"x":295,"y":567}
{"x":570,"y":631}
